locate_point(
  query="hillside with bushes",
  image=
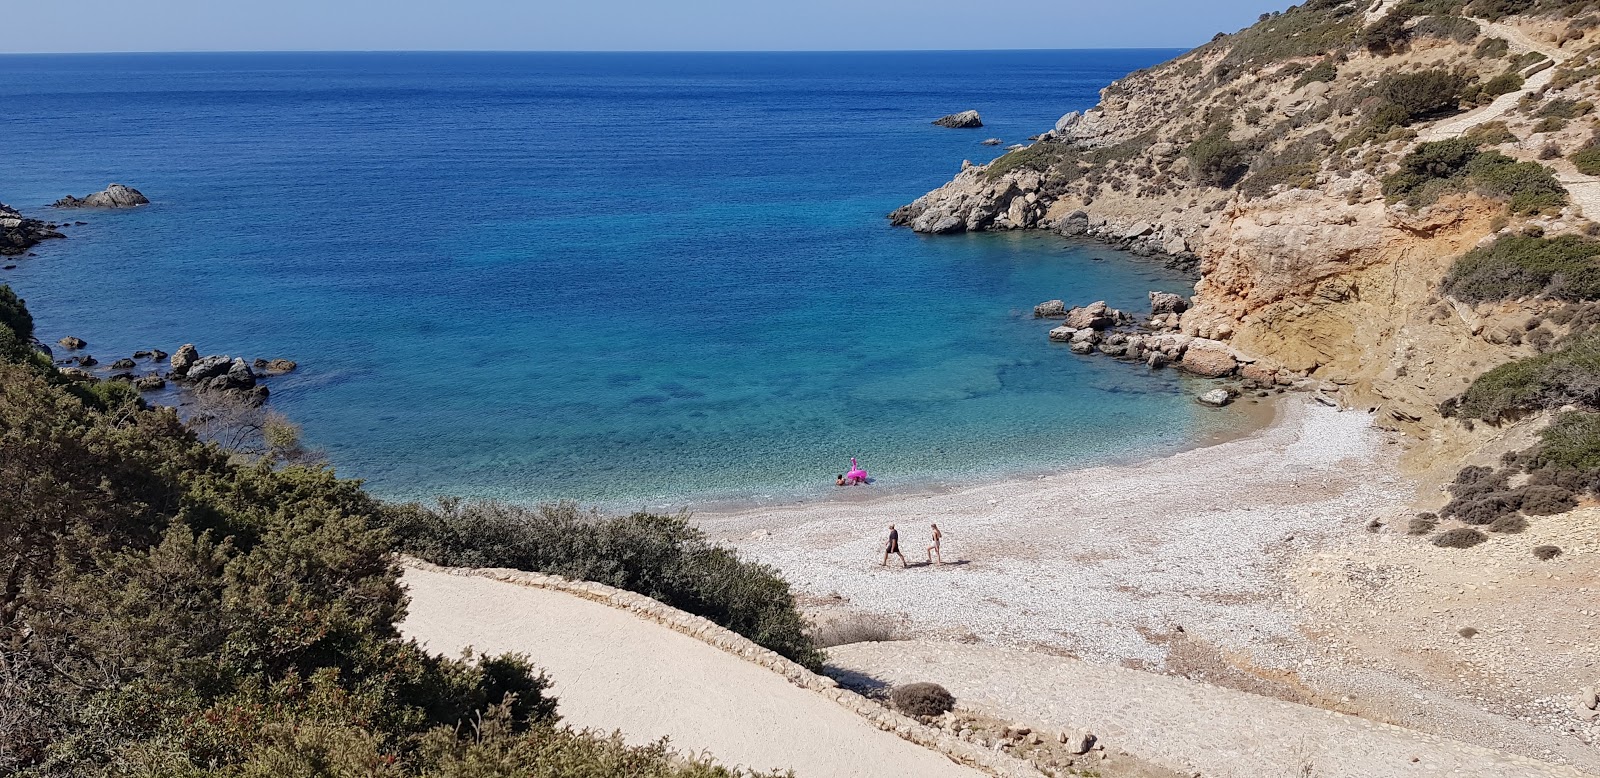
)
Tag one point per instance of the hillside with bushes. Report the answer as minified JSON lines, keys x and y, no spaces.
{"x":169,"y":609}
{"x":1395,"y":198}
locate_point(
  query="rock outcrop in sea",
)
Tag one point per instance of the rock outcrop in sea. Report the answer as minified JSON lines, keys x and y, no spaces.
{"x":113,"y":196}
{"x":19,"y":233}
{"x":965,"y":120}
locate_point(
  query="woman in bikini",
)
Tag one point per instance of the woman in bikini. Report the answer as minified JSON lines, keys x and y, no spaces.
{"x":933,"y":550}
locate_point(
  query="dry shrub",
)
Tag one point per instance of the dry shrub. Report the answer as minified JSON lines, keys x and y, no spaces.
{"x":857,"y":628}
{"x":1422,"y":524}
{"x":1541,"y":500}
{"x":1546,"y":553}
{"x":1460,"y":537}
{"x":922,"y":699}
{"x":1510,"y":525}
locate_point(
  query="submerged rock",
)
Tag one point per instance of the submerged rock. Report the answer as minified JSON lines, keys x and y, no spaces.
{"x":1216,"y":398}
{"x":114,"y":196}
{"x":1050,"y":309}
{"x":992,"y":141}
{"x":960,"y":121}
{"x":71,"y":343}
{"x":275,"y":366}
{"x":149,"y":382}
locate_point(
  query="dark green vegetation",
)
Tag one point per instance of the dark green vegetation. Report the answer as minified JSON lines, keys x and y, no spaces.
{"x":1546,"y":553}
{"x":922,"y":699}
{"x":659,"y":556}
{"x":1307,"y":30}
{"x":1568,"y":375}
{"x":1216,"y":161}
{"x":1563,"y":268}
{"x":1437,"y":168}
{"x":170,"y":612}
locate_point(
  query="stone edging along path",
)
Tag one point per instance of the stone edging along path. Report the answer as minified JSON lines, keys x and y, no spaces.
{"x":717,"y":636}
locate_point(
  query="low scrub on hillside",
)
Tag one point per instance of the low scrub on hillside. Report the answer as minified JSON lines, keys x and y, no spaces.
{"x":1310,"y":29}
{"x":659,"y":556}
{"x":1434,"y":169}
{"x":1514,"y":266}
{"x":168,"y":612}
{"x":1569,"y":375}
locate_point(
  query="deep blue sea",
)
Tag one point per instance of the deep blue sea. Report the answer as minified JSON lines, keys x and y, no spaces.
{"x":627,"y":279}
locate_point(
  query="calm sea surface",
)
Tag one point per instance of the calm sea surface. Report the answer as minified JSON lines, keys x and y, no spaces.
{"x":627,"y":279}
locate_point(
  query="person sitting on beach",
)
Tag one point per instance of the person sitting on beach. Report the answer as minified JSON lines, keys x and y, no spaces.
{"x":933,"y":550}
{"x":894,"y":548}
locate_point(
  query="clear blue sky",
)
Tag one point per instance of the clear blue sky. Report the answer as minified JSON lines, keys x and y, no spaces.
{"x":611,"y":25}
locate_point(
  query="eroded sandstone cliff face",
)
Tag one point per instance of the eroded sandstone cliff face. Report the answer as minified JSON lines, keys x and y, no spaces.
{"x":1262,"y":158}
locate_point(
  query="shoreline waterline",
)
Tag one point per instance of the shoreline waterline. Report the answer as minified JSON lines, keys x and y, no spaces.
{"x":1260,"y":418}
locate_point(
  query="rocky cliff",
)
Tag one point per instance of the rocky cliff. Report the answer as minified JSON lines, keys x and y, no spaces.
{"x":1323,"y":169}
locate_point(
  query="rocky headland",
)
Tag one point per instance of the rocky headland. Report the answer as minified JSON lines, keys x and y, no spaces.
{"x":18,"y":233}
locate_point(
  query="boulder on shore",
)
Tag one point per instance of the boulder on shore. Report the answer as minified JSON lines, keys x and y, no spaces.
{"x":114,"y":196}
{"x":1050,"y":309}
{"x":185,"y":358}
{"x":1216,"y":398}
{"x":1162,"y":303}
{"x":1209,"y":358}
{"x":960,"y":121}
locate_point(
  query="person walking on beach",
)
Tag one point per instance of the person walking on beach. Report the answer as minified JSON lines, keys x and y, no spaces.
{"x":933,"y":550}
{"x":894,"y":548}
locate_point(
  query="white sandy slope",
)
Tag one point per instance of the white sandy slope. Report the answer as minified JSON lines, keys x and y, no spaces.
{"x":615,"y":671}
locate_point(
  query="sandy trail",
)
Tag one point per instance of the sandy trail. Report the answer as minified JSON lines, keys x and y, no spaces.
{"x":615,"y":671}
{"x":1097,"y":561}
{"x":1456,"y":126}
{"x":1180,"y":724}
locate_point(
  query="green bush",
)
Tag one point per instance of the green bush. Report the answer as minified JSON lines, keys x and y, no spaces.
{"x":1387,"y":35}
{"x":1216,"y":161}
{"x":1504,"y":84}
{"x":662,"y":557}
{"x":1571,"y":443}
{"x":1308,"y":30}
{"x":1495,"y":10}
{"x":1569,"y":375}
{"x":1562,"y":108}
{"x":1434,"y":168}
{"x":922,"y":699}
{"x":1323,"y":71}
{"x":168,"y":612}
{"x":1423,"y":94}
{"x":1514,"y":266}
{"x":1490,"y":134}
{"x":14,"y":314}
{"x":1492,"y":48}
{"x":1452,"y":28}
{"x":1587,"y":161}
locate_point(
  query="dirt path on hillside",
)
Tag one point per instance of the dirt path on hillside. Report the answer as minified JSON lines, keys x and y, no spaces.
{"x":615,"y":671}
{"x":1179,"y":724}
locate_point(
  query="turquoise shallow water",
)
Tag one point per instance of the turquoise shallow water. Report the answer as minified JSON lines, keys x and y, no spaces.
{"x":627,"y":279}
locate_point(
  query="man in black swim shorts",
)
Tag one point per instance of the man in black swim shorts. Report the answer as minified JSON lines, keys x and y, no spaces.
{"x":894,"y":548}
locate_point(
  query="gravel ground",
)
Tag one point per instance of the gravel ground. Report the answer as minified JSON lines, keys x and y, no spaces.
{"x":1098,"y":563}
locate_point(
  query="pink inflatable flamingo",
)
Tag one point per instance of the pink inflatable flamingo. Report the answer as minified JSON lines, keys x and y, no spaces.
{"x":856,"y":474}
